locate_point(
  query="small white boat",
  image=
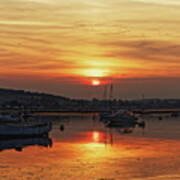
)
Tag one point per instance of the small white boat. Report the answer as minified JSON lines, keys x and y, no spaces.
{"x":119,"y":116}
{"x":25,"y":129}
{"x":120,"y":119}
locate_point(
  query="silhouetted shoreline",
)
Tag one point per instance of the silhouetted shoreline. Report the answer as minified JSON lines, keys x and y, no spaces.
{"x":25,"y":100}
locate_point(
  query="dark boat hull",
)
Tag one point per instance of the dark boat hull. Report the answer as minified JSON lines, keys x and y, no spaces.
{"x":18,"y":130}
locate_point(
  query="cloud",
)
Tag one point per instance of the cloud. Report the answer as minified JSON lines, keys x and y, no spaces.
{"x":30,"y":23}
{"x":162,"y":2}
{"x":147,"y":50}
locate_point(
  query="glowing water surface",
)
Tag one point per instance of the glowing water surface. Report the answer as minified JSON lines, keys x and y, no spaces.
{"x":85,"y":150}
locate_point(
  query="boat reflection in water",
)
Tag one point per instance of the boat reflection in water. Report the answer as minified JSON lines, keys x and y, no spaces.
{"x":127,"y":128}
{"x":19,"y":143}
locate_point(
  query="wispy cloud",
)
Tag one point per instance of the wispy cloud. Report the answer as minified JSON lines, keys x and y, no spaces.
{"x":30,"y":23}
{"x":145,"y":50}
{"x":162,"y":2}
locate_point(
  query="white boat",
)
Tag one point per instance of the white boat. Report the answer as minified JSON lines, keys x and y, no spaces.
{"x":120,"y":119}
{"x":119,"y":116}
{"x":25,"y":129}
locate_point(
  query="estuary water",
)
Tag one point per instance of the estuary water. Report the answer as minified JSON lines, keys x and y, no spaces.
{"x":82,"y":148}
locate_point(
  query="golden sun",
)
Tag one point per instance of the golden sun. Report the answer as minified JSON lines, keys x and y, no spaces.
{"x":96,"y":82}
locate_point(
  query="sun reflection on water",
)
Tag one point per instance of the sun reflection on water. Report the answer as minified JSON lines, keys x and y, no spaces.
{"x":97,"y":136}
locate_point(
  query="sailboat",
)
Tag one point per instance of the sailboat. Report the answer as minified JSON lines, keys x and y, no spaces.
{"x":121,"y":118}
{"x":105,"y":115}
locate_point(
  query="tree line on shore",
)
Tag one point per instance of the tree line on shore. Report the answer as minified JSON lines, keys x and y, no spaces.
{"x":19,"y":99}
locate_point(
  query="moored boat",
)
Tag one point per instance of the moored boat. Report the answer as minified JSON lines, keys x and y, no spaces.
{"x":25,"y":129}
{"x":119,"y":116}
{"x":121,"y":119}
{"x":121,"y":123}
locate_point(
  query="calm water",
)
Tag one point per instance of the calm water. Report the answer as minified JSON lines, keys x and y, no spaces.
{"x":86,"y":150}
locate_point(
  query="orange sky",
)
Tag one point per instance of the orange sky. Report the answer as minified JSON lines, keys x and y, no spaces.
{"x":134,"y":43}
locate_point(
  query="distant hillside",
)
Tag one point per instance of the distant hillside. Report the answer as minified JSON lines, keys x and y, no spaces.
{"x":25,"y":99}
{"x":20,"y":99}
{"x":14,"y":94}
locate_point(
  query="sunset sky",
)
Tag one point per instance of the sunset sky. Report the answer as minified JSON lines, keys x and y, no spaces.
{"x":64,"y":46}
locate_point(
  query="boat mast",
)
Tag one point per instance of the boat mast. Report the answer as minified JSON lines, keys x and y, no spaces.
{"x":105,"y":92}
{"x":110,"y":96}
{"x":111,"y":92}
